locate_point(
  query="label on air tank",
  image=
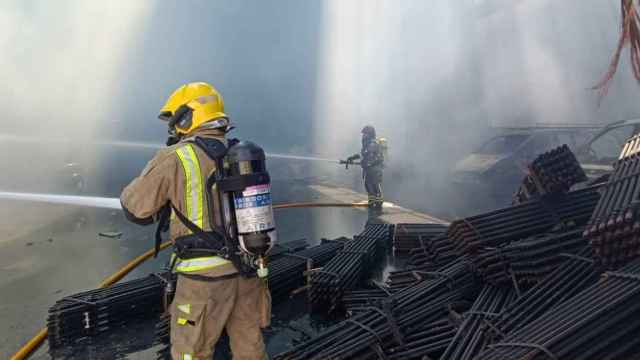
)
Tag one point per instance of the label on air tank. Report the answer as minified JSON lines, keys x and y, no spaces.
{"x":253,"y":209}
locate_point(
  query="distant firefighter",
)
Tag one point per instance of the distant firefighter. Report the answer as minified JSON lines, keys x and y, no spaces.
{"x":372,"y":160}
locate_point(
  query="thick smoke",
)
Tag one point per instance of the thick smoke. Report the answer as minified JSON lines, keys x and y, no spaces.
{"x":434,"y":77}
{"x":303,"y":78}
{"x":61,"y":77}
{"x":298,"y":77}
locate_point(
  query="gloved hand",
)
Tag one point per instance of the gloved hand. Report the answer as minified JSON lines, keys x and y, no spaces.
{"x":353,"y":158}
{"x":350,"y":160}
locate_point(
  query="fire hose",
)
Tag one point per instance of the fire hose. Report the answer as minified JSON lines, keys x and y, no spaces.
{"x":32,"y":345}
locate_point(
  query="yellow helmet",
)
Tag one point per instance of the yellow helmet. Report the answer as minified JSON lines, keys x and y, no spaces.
{"x":192,"y":105}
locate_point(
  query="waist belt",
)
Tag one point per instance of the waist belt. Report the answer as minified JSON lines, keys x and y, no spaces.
{"x":199,"y":263}
{"x":209,"y":278}
{"x":193,"y":246}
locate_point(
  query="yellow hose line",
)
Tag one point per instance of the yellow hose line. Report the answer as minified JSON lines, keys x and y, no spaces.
{"x":33,"y":344}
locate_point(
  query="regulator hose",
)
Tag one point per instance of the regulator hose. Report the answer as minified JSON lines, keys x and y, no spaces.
{"x":32,"y":345}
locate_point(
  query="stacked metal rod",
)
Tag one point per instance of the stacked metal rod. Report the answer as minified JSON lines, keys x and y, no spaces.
{"x":553,"y":172}
{"x":286,"y":272}
{"x":95,"y":312}
{"x":431,"y":255}
{"x":349,"y":268}
{"x":383,"y":231}
{"x":600,"y":322}
{"x":575,"y":274}
{"x":517,"y":222}
{"x":288,"y":247}
{"x":362,"y":299}
{"x":435,"y":252}
{"x":162,"y":336}
{"x":615,"y":224}
{"x":411,"y":236}
{"x":116,"y":345}
{"x":528,"y":260}
{"x":426,"y":342}
{"x":469,"y":340}
{"x":376,"y":329}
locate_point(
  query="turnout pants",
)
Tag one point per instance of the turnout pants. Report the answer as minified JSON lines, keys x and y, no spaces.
{"x":373,"y":186}
{"x":202,"y":309}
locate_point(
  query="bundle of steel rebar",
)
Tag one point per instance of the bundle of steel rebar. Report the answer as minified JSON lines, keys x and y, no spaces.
{"x":383,"y":231}
{"x":469,"y":339}
{"x":370,"y":332}
{"x":411,"y":236}
{"x":287,"y":272}
{"x":614,"y":226}
{"x":528,"y":260}
{"x":287,"y":247}
{"x":114,"y":345}
{"x":553,"y":172}
{"x":362,"y":299}
{"x":90,"y":313}
{"x":600,"y":322}
{"x":346,"y":271}
{"x":427,"y":342}
{"x":575,"y":274}
{"x":431,"y":255}
{"x":517,"y":222}
{"x":349,"y":268}
{"x":162,"y":337}
{"x":435,"y":252}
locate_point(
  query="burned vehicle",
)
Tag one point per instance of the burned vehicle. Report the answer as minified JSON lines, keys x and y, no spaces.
{"x":598,"y":154}
{"x":489,"y":176}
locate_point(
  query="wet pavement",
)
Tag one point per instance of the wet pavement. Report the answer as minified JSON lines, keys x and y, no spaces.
{"x":51,"y":251}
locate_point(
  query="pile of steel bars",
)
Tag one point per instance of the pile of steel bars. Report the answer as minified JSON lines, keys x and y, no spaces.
{"x":286,"y":272}
{"x":469,"y":339}
{"x":553,"y":172}
{"x":528,"y":260}
{"x":600,"y":322}
{"x":288,"y":247}
{"x":350,"y":267}
{"x":433,"y":253}
{"x":427,"y":342}
{"x":429,"y":256}
{"x":369,"y":332}
{"x":614,"y":226}
{"x":94,"y":312}
{"x":576,"y":274}
{"x":513,"y":223}
{"x":361,"y":299}
{"x":382,"y":231}
{"x":411,"y":236}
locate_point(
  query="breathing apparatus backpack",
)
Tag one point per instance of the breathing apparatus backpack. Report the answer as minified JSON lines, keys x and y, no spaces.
{"x":242,"y":186}
{"x":384,"y":149}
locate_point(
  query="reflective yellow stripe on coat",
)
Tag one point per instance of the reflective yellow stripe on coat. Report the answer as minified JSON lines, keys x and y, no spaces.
{"x":194,"y":204}
{"x":193,"y":184}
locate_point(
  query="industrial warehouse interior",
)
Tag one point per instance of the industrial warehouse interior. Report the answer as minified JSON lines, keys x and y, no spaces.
{"x":329,"y":179}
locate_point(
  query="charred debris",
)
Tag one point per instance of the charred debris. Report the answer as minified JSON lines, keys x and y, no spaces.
{"x":554,"y":276}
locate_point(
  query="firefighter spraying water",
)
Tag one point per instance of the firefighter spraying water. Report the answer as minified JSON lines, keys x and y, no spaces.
{"x":371,"y":158}
{"x":222,"y":227}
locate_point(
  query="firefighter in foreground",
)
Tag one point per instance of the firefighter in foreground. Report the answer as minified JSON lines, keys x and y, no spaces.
{"x":204,"y":187}
{"x":371,"y":158}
